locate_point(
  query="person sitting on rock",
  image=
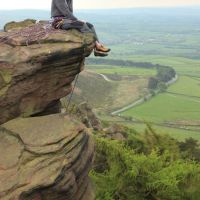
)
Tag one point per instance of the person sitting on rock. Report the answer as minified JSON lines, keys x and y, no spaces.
{"x":63,"y":18}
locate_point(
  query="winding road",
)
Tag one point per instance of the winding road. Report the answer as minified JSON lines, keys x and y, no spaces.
{"x":139,"y":101}
{"x":102,"y":75}
{"x":142,"y":100}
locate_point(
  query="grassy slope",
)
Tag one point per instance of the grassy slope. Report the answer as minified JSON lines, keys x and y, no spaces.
{"x":94,"y":89}
{"x":128,"y":91}
{"x":107,"y":96}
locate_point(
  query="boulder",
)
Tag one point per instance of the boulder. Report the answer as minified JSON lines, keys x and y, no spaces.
{"x":45,"y":158}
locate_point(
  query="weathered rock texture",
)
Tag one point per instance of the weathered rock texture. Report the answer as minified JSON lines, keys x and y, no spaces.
{"x":45,"y":158}
{"x":33,"y":78}
{"x":42,"y":156}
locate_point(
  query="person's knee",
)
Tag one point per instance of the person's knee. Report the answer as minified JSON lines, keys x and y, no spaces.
{"x":89,"y":25}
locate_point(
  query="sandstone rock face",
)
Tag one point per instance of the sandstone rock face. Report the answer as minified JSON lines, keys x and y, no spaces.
{"x":45,"y":158}
{"x":34,"y":77}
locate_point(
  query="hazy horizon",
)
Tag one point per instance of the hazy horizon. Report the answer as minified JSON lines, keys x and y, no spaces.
{"x":124,"y":8}
{"x":103,"y":4}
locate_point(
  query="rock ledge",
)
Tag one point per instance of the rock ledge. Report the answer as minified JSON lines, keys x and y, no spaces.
{"x":33,"y":78}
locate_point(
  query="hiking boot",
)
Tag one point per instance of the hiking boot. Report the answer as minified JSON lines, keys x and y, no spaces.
{"x":103,"y":49}
{"x":100,"y":53}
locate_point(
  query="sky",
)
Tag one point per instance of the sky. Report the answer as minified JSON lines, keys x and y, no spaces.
{"x":94,"y":4}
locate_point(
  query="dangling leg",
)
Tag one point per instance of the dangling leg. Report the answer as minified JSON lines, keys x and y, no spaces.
{"x":91,"y":27}
{"x":99,"y":49}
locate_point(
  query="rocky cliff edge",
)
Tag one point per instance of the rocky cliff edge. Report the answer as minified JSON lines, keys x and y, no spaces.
{"x":37,"y":67}
{"x":44,"y":156}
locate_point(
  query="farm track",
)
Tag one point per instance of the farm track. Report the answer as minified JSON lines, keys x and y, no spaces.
{"x":102,"y":75}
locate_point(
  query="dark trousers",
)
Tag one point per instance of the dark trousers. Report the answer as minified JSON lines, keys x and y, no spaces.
{"x":81,"y":26}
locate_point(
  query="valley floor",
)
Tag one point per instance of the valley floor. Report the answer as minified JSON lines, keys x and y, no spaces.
{"x":175,"y":112}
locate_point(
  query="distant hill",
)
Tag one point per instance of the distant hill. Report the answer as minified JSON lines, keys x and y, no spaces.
{"x":93,"y":15}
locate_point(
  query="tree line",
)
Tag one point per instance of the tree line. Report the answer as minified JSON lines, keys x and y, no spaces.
{"x":164,"y":73}
{"x":122,"y":63}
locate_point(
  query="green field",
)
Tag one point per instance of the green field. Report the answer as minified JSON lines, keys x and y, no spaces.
{"x":166,"y":107}
{"x":186,"y":86}
{"x":181,"y":102}
{"x":136,"y":71}
{"x":178,"y":134}
{"x":183,"y":66}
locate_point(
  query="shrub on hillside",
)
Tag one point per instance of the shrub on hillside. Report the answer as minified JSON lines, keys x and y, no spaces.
{"x":144,"y":168}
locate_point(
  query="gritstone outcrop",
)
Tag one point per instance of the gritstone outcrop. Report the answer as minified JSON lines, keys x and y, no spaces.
{"x":44,"y":156}
{"x":33,"y":78}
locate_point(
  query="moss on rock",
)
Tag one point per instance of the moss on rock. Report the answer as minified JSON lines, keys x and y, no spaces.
{"x":18,"y":25}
